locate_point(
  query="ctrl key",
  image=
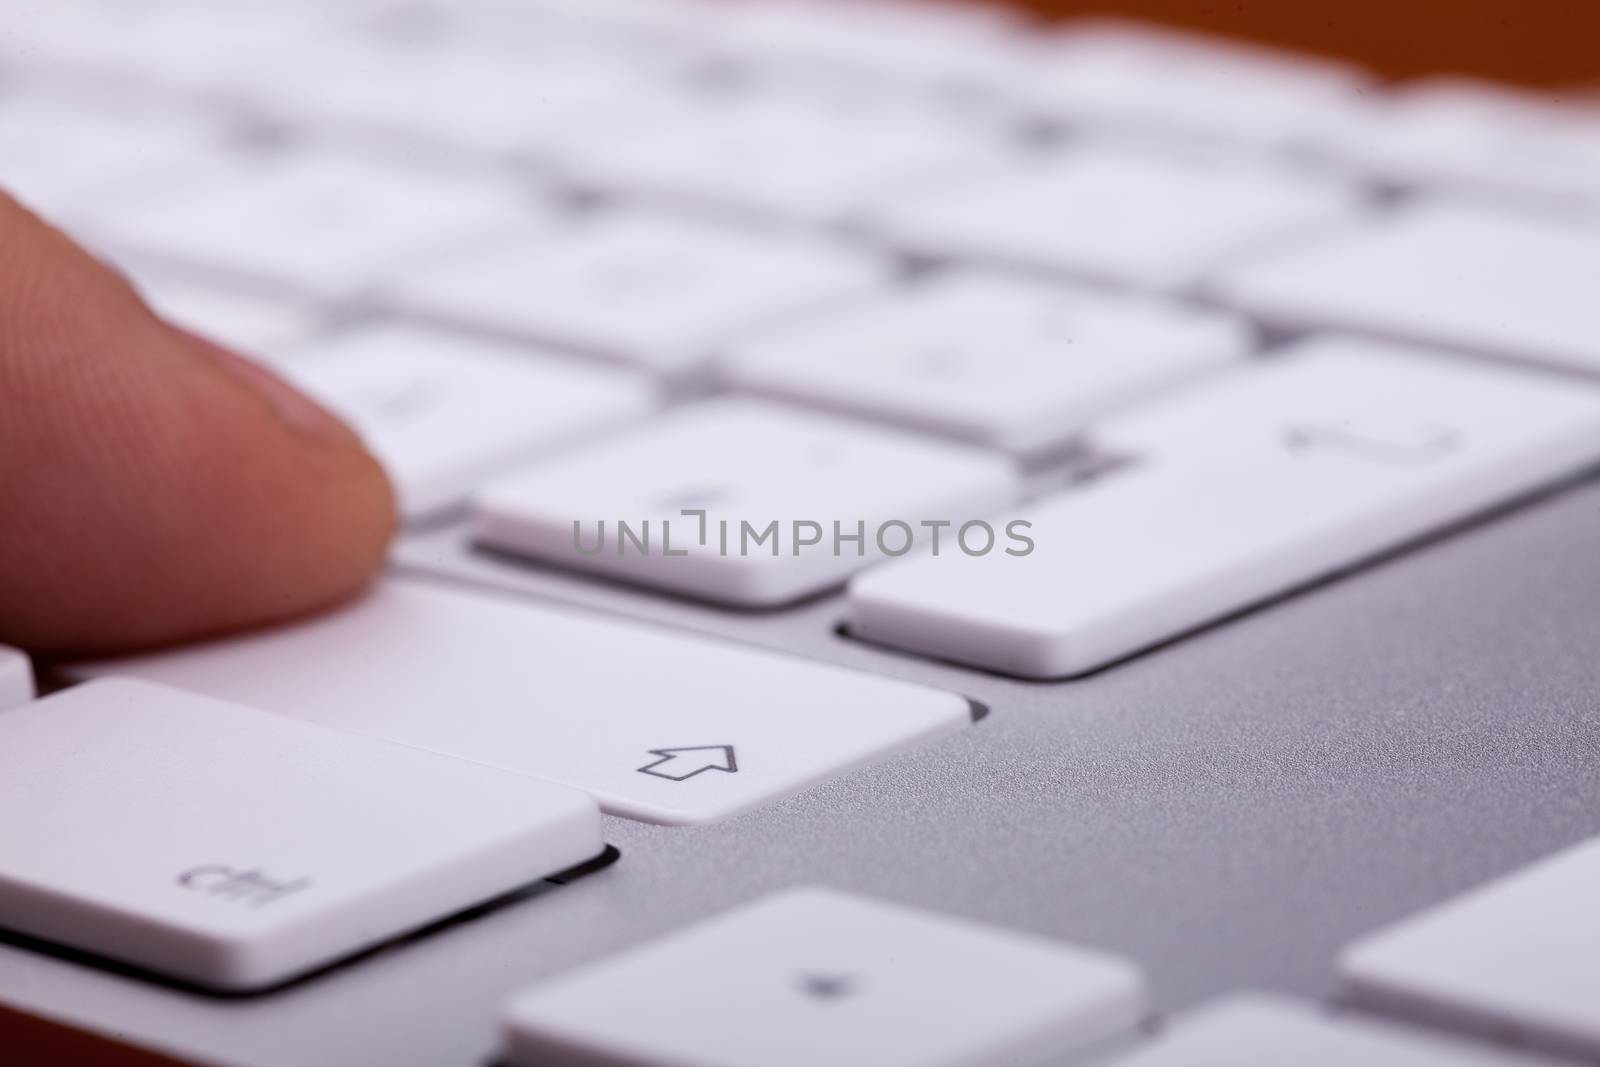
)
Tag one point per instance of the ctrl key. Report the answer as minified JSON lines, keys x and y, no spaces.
{"x":232,"y":849}
{"x":814,"y":976}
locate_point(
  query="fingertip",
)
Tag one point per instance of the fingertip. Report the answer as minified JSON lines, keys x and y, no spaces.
{"x":159,"y":488}
{"x":291,"y":513}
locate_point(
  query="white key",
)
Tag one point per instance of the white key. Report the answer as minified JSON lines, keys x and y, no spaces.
{"x":943,"y":45}
{"x":70,"y":162}
{"x":531,"y":109}
{"x":1449,"y":274}
{"x":1466,"y":135}
{"x":267,"y":67}
{"x":1245,"y":487}
{"x":46,"y":36}
{"x":120,"y":47}
{"x":234,"y":849}
{"x":771,"y":153}
{"x":76,"y":34}
{"x":16,"y":678}
{"x":1136,"y":216}
{"x":774,"y":485}
{"x":658,"y":725}
{"x":442,"y":412}
{"x":1267,"y":1030}
{"x":1127,"y":76}
{"x":324,"y":225}
{"x":535,"y":100}
{"x":660,"y":292}
{"x":814,"y":976}
{"x":260,"y":325}
{"x":1008,"y":364}
{"x":618,"y":23}
{"x":1519,"y":956}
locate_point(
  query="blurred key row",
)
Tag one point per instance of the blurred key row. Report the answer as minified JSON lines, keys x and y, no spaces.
{"x":558,"y":81}
{"x":499,"y":239}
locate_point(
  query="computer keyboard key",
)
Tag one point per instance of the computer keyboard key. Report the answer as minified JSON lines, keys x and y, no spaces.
{"x":1004,"y":363}
{"x":16,"y":677}
{"x":771,"y":153}
{"x":63,"y":32}
{"x":152,"y":50}
{"x":1460,"y":135}
{"x":263,"y":326}
{"x":624,"y":26}
{"x":661,"y":726}
{"x":1518,"y":957}
{"x":1242,"y":488}
{"x":741,"y":501}
{"x":484,"y":99}
{"x":1124,"y":76}
{"x":233,"y":849}
{"x":443,"y":412}
{"x":322,"y":225}
{"x":952,"y":46}
{"x":1142,"y":216}
{"x":1443,"y":273}
{"x":1268,"y":1030}
{"x":814,"y":976}
{"x":71,"y":162}
{"x":661,"y":292}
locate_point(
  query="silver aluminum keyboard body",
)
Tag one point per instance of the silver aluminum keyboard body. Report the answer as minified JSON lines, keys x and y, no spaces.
{"x":1229,"y":809}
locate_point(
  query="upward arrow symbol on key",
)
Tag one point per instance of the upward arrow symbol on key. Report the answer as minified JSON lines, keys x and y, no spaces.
{"x":678,"y":764}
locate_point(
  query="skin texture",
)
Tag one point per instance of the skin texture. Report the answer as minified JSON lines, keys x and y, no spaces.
{"x":155,"y":487}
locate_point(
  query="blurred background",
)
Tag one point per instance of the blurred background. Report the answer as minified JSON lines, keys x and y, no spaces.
{"x":650,"y":185}
{"x":1535,"y":42}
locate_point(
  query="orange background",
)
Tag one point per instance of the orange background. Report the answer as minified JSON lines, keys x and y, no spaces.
{"x":1538,"y":42}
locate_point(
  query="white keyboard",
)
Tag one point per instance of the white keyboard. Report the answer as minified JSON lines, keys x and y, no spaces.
{"x":791,"y":405}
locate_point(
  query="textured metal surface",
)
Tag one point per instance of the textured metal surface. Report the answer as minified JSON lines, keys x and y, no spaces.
{"x":1228,"y":810}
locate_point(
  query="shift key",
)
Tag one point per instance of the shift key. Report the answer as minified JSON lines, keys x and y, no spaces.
{"x":659,"y":725}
